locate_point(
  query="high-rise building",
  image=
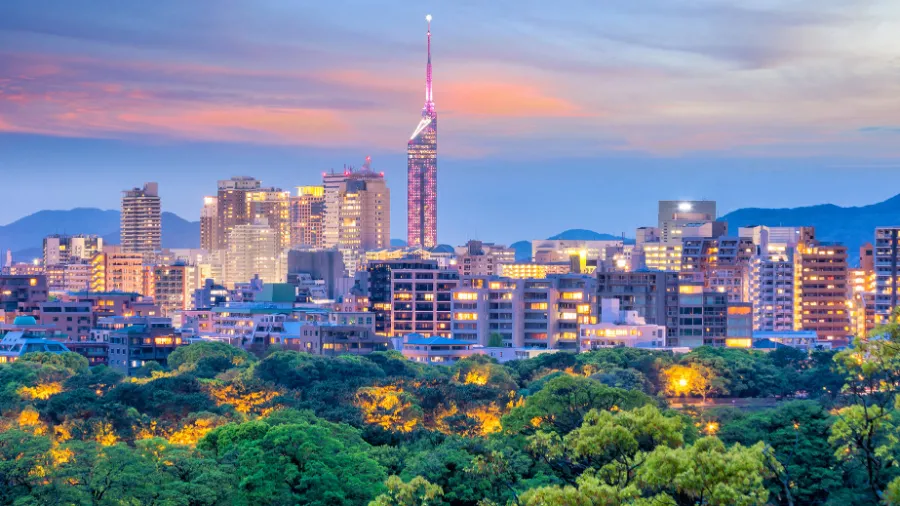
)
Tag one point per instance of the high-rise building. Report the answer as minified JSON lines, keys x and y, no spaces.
{"x":534,"y":313}
{"x":65,"y":249}
{"x":358,"y":213}
{"x":421,"y":299}
{"x":887,"y":277}
{"x":209,"y":217}
{"x":772,"y":288}
{"x":141,"y":228}
{"x":477,"y":258}
{"x":253,"y":250}
{"x":272,"y":206}
{"x":308,"y":217}
{"x":653,"y":294}
{"x":724,"y":263}
{"x":821,"y":291}
{"x":674,"y":215}
{"x":231,"y":207}
{"x":174,"y":287}
{"x":421,"y":217}
{"x":772,"y":274}
{"x":117,"y":271}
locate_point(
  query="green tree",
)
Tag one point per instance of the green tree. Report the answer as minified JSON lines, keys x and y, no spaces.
{"x":865,"y":431}
{"x":310,"y":462}
{"x":612,"y":444}
{"x":68,"y":360}
{"x":796,"y":434}
{"x":417,"y":492}
{"x":206,"y":359}
{"x":561,"y":404}
{"x":707,"y":473}
{"x":24,"y":459}
{"x":495,"y":340}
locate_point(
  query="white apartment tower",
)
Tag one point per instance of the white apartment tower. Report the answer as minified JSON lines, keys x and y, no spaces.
{"x":141,"y":226}
{"x":253,"y":250}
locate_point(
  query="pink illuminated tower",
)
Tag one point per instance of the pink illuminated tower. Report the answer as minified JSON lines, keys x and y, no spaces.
{"x":421,"y":218}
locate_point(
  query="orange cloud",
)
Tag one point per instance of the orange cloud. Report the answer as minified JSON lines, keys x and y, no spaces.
{"x":504,"y":99}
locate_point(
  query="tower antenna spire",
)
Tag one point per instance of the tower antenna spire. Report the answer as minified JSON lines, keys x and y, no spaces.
{"x":429,"y":99}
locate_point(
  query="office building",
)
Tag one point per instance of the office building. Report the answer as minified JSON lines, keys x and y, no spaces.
{"x":421,"y":190}
{"x":22,"y":294}
{"x":357,"y":213}
{"x":69,"y":277}
{"x":707,"y":318}
{"x":772,"y":288}
{"x":174,"y":287}
{"x":72,"y":319}
{"x":477,"y":258}
{"x":209,"y":223}
{"x":662,"y":257}
{"x":530,"y":313}
{"x":141,"y":228}
{"x":652,"y":294}
{"x":723,"y":262}
{"x":421,"y":299}
{"x":821,"y":291}
{"x":231,"y":206}
{"x":762,"y":235}
{"x":438,"y":350}
{"x":675,"y":215}
{"x":322,"y":265}
{"x":867,"y":257}
{"x":142,"y":340}
{"x":253,"y":251}
{"x":535,"y":270}
{"x":273,"y":207}
{"x":887,"y":276}
{"x":332,"y":337}
{"x":619,"y":328}
{"x":558,"y":250}
{"x":117,"y":271}
{"x":65,"y":249}
{"x":308,"y":217}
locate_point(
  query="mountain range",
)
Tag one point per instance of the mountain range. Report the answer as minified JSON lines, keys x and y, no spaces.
{"x":853,"y":226}
{"x":25,"y":236}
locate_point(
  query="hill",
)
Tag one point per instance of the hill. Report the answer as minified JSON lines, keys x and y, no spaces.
{"x":853,"y":226}
{"x":25,"y":236}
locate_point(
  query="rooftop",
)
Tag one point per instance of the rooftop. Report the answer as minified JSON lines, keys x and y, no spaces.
{"x":421,"y":340}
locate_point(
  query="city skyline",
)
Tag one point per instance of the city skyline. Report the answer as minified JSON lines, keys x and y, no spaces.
{"x":592,"y":113}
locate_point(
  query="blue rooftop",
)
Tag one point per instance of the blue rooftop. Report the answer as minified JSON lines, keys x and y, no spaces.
{"x":419,"y":339}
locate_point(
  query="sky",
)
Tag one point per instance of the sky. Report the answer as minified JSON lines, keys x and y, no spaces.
{"x":551,"y":115}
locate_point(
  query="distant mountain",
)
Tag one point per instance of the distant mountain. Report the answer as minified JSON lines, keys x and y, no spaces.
{"x":580,"y":234}
{"x":852,"y":226}
{"x":25,"y":236}
{"x":523,"y":250}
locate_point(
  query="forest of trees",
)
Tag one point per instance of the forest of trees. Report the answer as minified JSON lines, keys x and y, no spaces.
{"x":221,"y":427}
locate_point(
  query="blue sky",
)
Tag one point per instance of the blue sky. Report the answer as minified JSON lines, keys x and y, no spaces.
{"x":551,"y":115}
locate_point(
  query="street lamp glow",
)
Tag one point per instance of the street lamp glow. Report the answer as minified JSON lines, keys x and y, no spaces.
{"x":428,"y":18}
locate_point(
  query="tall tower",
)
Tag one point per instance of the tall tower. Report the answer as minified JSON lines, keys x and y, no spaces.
{"x":141,"y":227}
{"x":231,"y":206}
{"x":421,"y":217}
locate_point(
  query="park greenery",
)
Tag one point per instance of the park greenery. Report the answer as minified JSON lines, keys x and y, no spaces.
{"x":219,"y":426}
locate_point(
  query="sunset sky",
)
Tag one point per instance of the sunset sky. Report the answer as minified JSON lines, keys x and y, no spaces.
{"x":551,"y":115}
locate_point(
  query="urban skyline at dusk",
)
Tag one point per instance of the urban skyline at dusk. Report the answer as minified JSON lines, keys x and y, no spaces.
{"x":533,"y":103}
